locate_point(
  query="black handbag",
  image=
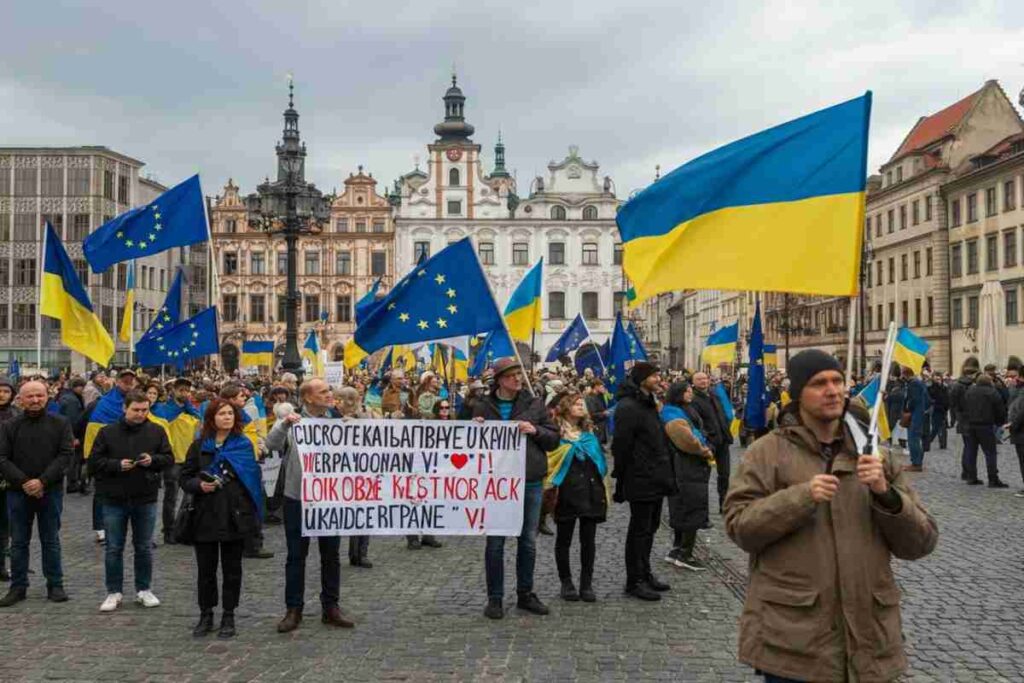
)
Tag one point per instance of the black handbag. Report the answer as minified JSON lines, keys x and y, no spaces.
{"x":184,"y":521}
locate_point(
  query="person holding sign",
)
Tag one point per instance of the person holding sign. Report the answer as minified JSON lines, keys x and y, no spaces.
{"x":576,"y":471}
{"x":509,"y":401}
{"x":317,"y":401}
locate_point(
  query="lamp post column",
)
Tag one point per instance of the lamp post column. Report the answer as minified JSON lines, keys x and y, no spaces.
{"x":292,"y":361}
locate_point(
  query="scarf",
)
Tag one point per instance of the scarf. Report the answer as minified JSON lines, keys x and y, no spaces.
{"x":560,"y":459}
{"x":671,"y":412}
{"x":237,"y":451}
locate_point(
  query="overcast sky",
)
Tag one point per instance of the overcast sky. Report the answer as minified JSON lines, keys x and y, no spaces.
{"x":188,"y":86}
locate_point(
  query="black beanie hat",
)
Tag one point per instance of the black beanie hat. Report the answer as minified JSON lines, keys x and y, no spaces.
{"x":805,"y":365}
{"x":641,"y":371}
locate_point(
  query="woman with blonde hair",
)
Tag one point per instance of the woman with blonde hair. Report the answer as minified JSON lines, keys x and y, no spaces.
{"x":576,"y":472}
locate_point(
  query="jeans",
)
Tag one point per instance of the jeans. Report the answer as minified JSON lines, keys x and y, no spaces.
{"x":1019,"y":447}
{"x":938,"y":429}
{"x":97,"y":514}
{"x":170,"y":506}
{"x":526,"y":548}
{"x":722,"y":460}
{"x":22,"y":511}
{"x":231,"y":568}
{"x":644,"y":518}
{"x":588,"y":549}
{"x":915,"y":443}
{"x":985,"y":437}
{"x":116,"y":517}
{"x":295,"y":565}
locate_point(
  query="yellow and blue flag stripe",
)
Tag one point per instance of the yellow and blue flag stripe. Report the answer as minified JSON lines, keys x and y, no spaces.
{"x":721,"y":345}
{"x":522,"y":313}
{"x":109,"y":409}
{"x":770,"y":358}
{"x":256,"y":353}
{"x":63,"y":297}
{"x":868,"y":396}
{"x":910,"y":350}
{"x":792,"y":194}
{"x":311,"y":351}
{"x":129,"y":305}
{"x":182,"y":422}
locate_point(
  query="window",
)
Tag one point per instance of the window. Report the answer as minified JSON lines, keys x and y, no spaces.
{"x":556,"y":305}
{"x":867,"y":323}
{"x":590,"y":253}
{"x":258,"y":263}
{"x":24,"y":227}
{"x":915,"y":212}
{"x":51,"y":182}
{"x":24,"y":317}
{"x":917,"y":265}
{"x":556,"y":253}
{"x":618,"y":302}
{"x":903,"y":266}
{"x":282,"y":308}
{"x":5,"y":226}
{"x":904,"y":315}
{"x":972,"y":257}
{"x":972,"y":312}
{"x":990,"y":201}
{"x":343,"y":263}
{"x":108,"y":185}
{"x":928,"y":261}
{"x":454,"y":207}
{"x":879,"y":320}
{"x":956,"y":268}
{"x":892,"y":311}
{"x":954,"y":211}
{"x":927,"y":207}
{"x":931,"y":310}
{"x":122,"y":190}
{"x":341,"y":225}
{"x":892,"y":270}
{"x":149,"y":280}
{"x":868,"y":274}
{"x":230,"y":307}
{"x":991,"y":252}
{"x":282,"y":263}
{"x":420,"y":250}
{"x":343,"y":308}
{"x":378,"y":226}
{"x":141,"y":282}
{"x":1011,"y":306}
{"x":888,"y":178}
{"x":616,"y":254}
{"x":312,"y":263}
{"x":5,"y":182}
{"x":257,"y":308}
{"x":311,"y":308}
{"x":230,"y":263}
{"x":453,"y":177}
{"x":1010,"y":248}
{"x":25,"y":272}
{"x":230,"y":225}
{"x":890,"y":221}
{"x":78,"y":227}
{"x":558,"y":213}
{"x":163,"y":280}
{"x":903,"y":216}
{"x":25,"y":182}
{"x":899,"y":174}
{"x":878,"y":273}
{"x":1009,"y":195}
{"x":958,"y":313}
{"x":486,"y":252}
{"x":520,"y":254}
{"x":5,"y":271}
{"x":54,"y":219}
{"x":360,"y":225}
{"x":917,"y":312}
{"x":878,"y":225}
{"x":590,"y":213}
{"x":3,"y":316}
{"x":378,"y":263}
{"x":972,"y":207}
{"x":588,"y":305}
{"x":78,"y":181}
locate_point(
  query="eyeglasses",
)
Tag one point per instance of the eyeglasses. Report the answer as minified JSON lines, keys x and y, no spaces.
{"x":444,"y":408}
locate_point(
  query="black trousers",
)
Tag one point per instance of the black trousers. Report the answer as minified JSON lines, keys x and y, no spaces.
{"x":170,"y":504}
{"x":358,"y":547}
{"x":230,"y":555}
{"x":644,"y":518}
{"x":588,"y":549}
{"x":684,"y":541}
{"x":1020,"y":456}
{"x":984,"y":436}
{"x":722,"y":460}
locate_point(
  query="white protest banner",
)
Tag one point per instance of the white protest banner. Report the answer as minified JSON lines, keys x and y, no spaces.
{"x":396,"y":477}
{"x":334,"y":373}
{"x":270,"y":466}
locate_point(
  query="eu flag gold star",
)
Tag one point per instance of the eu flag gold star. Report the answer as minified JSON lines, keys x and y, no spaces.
{"x":142,"y":245}
{"x":421,"y":273}
{"x":453,"y":309}
{"x":404,"y":317}
{"x":442,"y":323}
{"x":156,"y":215}
{"x":152,"y":237}
{"x":120,"y":234}
{"x":192,"y":325}
{"x":423,"y":324}
{"x":439,"y":279}
{"x":391,"y":306}
{"x":451,"y":293}
{"x":129,"y":243}
{"x":158,"y":227}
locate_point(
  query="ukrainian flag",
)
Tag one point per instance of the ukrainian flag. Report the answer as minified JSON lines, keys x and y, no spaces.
{"x":721,"y":346}
{"x":129,"y":305}
{"x":181,"y":424}
{"x":792,"y":194}
{"x":256,"y":353}
{"x":62,"y":296}
{"x":460,"y":364}
{"x":910,"y":350}
{"x":771,"y":355}
{"x":402,"y":356}
{"x":522,"y":314}
{"x":868,"y":396}
{"x":109,"y":409}
{"x":311,"y":351}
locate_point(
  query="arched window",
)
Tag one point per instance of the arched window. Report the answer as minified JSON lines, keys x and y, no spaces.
{"x":558,"y":213}
{"x":453,"y":177}
{"x":590,"y":213}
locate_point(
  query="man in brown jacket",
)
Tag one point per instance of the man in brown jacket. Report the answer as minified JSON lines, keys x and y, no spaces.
{"x":821,"y":524}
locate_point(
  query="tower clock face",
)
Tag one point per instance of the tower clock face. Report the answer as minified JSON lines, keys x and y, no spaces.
{"x":454,"y":154}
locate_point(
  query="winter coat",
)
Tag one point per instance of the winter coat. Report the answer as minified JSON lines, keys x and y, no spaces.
{"x":983,"y":405}
{"x":597,"y":407}
{"x":712,"y":415}
{"x":688,"y":509}
{"x":939,"y":395}
{"x":643,"y":469}
{"x":71,"y":406}
{"x":123,"y":441}
{"x":582,"y":493}
{"x":895,"y":401}
{"x":35,"y":447}
{"x":228,"y":513}
{"x":822,"y":603}
{"x":1016,"y":419}
{"x":956,"y":400}
{"x":917,"y":403}
{"x":526,"y":408}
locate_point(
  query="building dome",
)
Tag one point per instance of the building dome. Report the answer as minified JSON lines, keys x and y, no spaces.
{"x":454,"y":127}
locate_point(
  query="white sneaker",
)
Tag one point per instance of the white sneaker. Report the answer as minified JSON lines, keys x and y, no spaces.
{"x":112,"y":602}
{"x":147,"y":599}
{"x":101,"y":536}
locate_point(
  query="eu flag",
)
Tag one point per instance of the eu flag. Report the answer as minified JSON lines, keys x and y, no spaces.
{"x":495,"y":345}
{"x":636,"y":347}
{"x":169,"y":314}
{"x":757,"y":400}
{"x":571,"y":338}
{"x":592,"y":357}
{"x":367,"y":304}
{"x":190,"y":338}
{"x":447,"y":296}
{"x":618,"y":355}
{"x":177,"y":218}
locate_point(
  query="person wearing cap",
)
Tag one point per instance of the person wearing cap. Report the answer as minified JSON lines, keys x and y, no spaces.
{"x":96,"y":387}
{"x":71,"y":405}
{"x":509,"y":401}
{"x":821,"y":523}
{"x":7,"y":412}
{"x":643,"y":474}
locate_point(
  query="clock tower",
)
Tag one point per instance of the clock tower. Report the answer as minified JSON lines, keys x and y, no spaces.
{"x":455,"y":160}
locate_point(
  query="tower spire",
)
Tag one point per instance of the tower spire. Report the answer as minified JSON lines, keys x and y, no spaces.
{"x":499,"y":159}
{"x":454,"y":127}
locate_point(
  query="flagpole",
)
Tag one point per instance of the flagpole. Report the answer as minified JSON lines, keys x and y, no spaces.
{"x":883,"y":383}
{"x":849,"y":342}
{"x":39,"y":307}
{"x":504,"y":325}
{"x":131,"y":323}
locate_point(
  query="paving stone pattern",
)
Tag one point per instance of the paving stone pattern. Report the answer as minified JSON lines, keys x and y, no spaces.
{"x":419,"y":613}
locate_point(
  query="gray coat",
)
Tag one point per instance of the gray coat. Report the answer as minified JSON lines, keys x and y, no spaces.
{"x":280,"y":439}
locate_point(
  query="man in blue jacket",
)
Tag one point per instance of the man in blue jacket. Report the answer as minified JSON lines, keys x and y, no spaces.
{"x":917,"y":403}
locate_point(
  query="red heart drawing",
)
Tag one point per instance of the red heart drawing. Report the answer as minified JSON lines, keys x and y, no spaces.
{"x":459,"y":460}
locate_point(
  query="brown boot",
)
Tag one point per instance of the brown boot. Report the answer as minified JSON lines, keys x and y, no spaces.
{"x":291,"y":621}
{"x":334,"y":617}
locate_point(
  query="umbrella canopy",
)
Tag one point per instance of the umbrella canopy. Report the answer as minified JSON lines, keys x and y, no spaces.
{"x":991,"y":309}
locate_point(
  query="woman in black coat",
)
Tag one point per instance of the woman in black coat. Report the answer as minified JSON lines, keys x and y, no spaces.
{"x":219,"y":473}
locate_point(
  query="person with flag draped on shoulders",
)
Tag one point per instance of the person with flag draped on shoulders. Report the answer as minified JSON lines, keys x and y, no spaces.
{"x":183,"y":421}
{"x":576,"y":475}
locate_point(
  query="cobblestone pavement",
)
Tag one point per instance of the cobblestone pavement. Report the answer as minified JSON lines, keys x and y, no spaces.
{"x":419,"y":613}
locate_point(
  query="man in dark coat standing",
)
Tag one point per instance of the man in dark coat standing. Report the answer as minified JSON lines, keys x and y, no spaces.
{"x":938,"y":393}
{"x":716,"y":429}
{"x":984,"y":410}
{"x":643,"y":475}
{"x":957,"y":406}
{"x":72,"y":406}
{"x":7,"y":412}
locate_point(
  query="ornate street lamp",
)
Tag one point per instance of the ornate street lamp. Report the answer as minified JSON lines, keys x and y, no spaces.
{"x":290,"y":207}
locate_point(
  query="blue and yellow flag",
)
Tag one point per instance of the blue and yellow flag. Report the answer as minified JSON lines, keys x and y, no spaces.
{"x":129,"y":305}
{"x":169,"y":314}
{"x":522,"y":314}
{"x":575,"y":334}
{"x":460,"y":365}
{"x":910,"y":350}
{"x":494,"y":346}
{"x":402,"y":356}
{"x":792,"y":194}
{"x":256,"y":353}
{"x":177,"y":218}
{"x":311,"y":352}
{"x":721,"y":345}
{"x":192,"y":338}
{"x":730,"y":413}
{"x":62,"y":296}
{"x":771,"y":355}
{"x":109,"y":409}
{"x":446,"y":296}
{"x":868,"y":396}
{"x":182,"y":422}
